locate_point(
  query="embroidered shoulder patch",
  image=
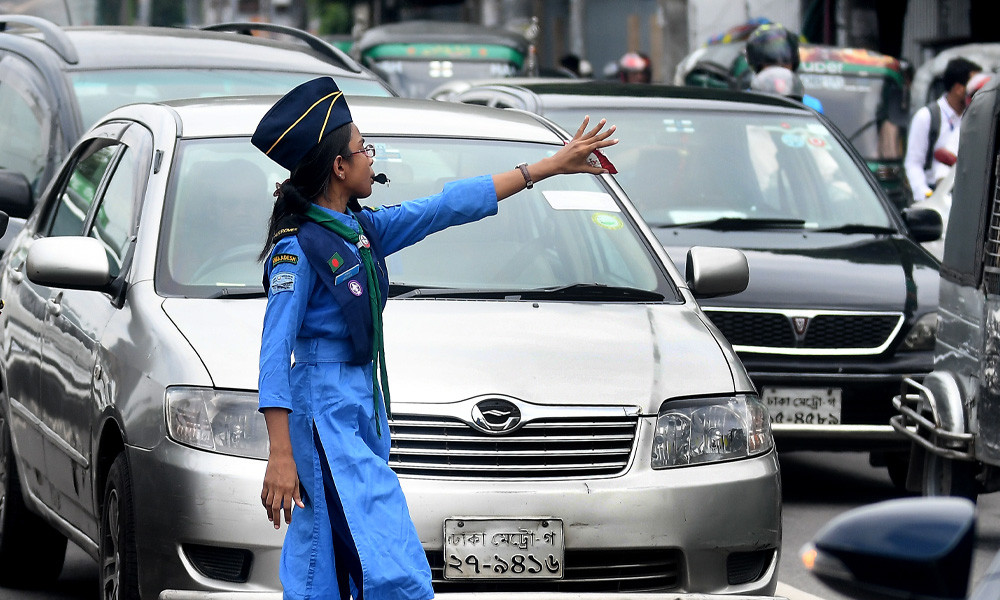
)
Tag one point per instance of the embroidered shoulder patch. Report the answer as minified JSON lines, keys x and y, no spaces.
{"x":282,"y":282}
{"x":284,"y":258}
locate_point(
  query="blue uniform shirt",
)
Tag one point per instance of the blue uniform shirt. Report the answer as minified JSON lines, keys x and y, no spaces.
{"x":299,"y":308}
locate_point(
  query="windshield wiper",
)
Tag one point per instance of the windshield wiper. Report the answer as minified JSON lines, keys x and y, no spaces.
{"x":400,"y":290}
{"x":857,"y":228}
{"x":576,"y":291}
{"x":736,"y":224}
{"x":594,"y":291}
{"x":238,"y":293}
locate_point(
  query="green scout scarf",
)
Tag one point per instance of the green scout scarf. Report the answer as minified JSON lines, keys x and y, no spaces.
{"x":345,"y":231}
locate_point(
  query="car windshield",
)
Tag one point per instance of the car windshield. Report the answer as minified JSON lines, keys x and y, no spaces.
{"x":100,"y":92}
{"x":690,"y":167}
{"x":416,"y":78}
{"x":568,"y":232}
{"x":855,"y":105}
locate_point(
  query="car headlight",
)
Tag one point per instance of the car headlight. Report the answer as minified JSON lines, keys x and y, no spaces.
{"x":922,"y":335}
{"x":703,"y":430}
{"x":220,"y":421}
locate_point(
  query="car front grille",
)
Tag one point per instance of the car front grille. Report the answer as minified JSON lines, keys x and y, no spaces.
{"x":596,"y":571}
{"x":441,"y":446}
{"x":806,"y":332}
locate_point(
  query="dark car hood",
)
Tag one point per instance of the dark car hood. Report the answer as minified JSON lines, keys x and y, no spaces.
{"x":811,"y":270}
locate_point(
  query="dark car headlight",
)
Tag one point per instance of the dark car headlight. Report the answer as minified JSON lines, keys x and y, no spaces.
{"x":922,"y":335}
{"x":220,"y":421}
{"x":703,"y":430}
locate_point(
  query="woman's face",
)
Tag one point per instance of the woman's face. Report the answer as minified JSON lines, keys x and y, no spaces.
{"x":358,"y":170}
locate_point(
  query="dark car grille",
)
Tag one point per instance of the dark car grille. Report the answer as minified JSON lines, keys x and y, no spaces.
{"x":600,"y":571}
{"x":843,"y":333}
{"x":571,"y":447}
{"x":225,"y":564}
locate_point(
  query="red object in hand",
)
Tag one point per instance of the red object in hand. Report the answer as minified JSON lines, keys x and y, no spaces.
{"x":945,"y":157}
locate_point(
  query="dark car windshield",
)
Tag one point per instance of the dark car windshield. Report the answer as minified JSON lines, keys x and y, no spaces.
{"x":100,"y":92}
{"x":689,"y":167}
{"x":567,"y":238}
{"x":856,"y":107}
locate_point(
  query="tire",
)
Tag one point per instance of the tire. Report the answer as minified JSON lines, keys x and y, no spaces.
{"x":31,"y":551}
{"x":898,"y":465}
{"x":947,"y":477}
{"x":118,"y":561}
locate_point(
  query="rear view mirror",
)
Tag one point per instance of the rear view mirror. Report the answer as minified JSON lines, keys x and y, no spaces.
{"x":712,"y":272}
{"x":74,"y":262}
{"x":924,"y":223}
{"x":16,"y":198}
{"x":904,"y":548}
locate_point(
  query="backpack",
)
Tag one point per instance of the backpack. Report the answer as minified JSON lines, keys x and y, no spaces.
{"x":933,"y":132}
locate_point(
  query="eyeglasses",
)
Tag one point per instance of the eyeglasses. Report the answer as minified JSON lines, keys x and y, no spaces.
{"x":368,"y":150}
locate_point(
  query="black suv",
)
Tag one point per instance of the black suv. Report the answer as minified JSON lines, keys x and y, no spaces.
{"x":55,"y":82}
{"x":842,"y":301}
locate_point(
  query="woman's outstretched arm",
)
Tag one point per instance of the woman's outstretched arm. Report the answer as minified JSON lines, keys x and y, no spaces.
{"x":571,"y":158}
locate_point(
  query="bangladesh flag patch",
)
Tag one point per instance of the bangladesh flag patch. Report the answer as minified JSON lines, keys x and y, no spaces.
{"x":335,"y":262}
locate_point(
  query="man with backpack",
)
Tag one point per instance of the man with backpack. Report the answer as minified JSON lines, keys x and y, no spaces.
{"x":933,"y":127}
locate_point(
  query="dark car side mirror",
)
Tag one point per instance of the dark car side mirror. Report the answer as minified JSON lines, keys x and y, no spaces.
{"x":924,"y":223}
{"x":16,"y":198}
{"x":903,"y":548}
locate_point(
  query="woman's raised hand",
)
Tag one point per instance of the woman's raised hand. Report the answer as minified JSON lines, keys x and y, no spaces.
{"x":575,"y":156}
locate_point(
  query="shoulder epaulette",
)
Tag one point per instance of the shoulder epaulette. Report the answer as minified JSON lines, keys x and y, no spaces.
{"x":286,"y":227}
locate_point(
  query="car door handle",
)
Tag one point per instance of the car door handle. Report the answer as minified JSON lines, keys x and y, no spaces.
{"x":54,"y":305}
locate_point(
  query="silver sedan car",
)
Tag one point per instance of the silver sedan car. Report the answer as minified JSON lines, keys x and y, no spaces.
{"x":565,"y":417}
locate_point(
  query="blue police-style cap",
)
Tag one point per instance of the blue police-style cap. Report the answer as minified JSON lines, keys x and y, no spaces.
{"x":299,"y":121}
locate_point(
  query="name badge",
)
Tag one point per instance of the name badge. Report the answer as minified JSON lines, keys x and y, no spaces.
{"x":346,"y":274}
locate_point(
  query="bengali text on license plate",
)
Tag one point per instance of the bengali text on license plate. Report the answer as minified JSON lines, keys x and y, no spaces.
{"x":503,"y":548}
{"x":803,"y":406}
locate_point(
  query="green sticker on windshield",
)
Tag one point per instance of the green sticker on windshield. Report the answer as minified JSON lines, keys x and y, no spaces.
{"x":607,"y":221}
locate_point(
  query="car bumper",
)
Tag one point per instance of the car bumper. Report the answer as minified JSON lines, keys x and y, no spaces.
{"x":867,"y":387}
{"x":702,"y":516}
{"x":188,"y":499}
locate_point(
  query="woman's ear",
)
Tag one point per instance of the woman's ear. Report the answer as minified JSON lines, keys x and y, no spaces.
{"x":338,"y":167}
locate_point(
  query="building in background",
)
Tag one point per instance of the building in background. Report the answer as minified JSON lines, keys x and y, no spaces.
{"x":600,"y":31}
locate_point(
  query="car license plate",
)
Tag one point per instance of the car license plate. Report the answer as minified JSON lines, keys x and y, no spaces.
{"x":503,"y":549}
{"x":803,"y":406}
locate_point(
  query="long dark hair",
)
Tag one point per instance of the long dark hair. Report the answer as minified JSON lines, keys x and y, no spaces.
{"x":309,"y":181}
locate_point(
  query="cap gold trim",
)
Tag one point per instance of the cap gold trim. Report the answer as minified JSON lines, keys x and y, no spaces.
{"x":336,"y":96}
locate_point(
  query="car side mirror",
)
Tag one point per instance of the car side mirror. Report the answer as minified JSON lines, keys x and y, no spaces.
{"x":903,"y":548}
{"x":75,"y":262}
{"x":925,"y":224}
{"x":16,"y":198}
{"x":712,"y":272}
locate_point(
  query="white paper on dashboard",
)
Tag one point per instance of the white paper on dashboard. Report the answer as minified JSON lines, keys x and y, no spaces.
{"x":570,"y":200}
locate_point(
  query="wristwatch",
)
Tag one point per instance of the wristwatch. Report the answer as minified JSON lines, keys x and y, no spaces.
{"x":528,"y":183}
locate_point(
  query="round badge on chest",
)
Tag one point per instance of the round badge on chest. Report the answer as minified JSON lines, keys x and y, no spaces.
{"x":355,"y":287}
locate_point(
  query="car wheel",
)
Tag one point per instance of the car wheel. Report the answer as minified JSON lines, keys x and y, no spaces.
{"x":118,"y":559}
{"x":898,"y":465}
{"x":947,"y":477}
{"x":31,"y":551}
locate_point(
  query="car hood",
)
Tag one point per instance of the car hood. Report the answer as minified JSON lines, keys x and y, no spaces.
{"x":442,"y":351}
{"x":821,"y":270}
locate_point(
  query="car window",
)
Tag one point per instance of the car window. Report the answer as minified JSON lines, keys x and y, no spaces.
{"x":100,"y":92}
{"x":566,"y":230}
{"x":80,"y":189}
{"x":688,"y":166}
{"x":416,"y":78}
{"x":113,"y":220}
{"x":26,"y":131}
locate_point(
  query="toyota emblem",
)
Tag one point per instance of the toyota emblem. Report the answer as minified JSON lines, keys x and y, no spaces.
{"x":496,"y":415}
